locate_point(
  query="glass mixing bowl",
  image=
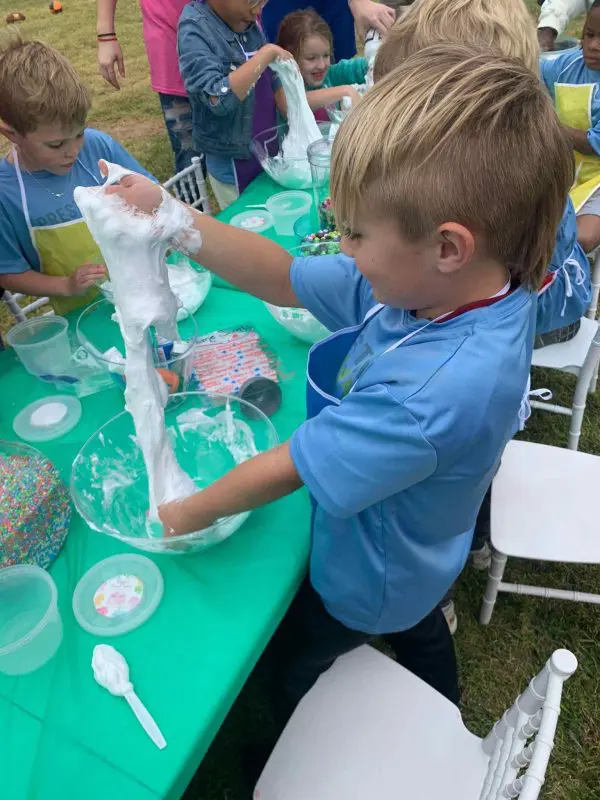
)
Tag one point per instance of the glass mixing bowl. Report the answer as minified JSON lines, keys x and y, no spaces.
{"x":293,"y":173}
{"x":210,"y":435}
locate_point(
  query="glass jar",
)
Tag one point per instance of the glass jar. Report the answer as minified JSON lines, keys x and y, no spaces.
{"x":319,"y":158}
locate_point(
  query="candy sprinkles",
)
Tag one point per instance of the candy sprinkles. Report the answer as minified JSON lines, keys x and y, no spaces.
{"x":35,"y":510}
{"x":321,"y":243}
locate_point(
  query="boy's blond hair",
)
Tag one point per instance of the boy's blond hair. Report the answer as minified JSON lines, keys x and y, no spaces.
{"x":458,"y":135}
{"x":39,"y":86}
{"x":501,"y":25}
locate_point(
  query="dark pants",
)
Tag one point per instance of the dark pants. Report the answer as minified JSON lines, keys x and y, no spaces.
{"x":309,"y":640}
{"x":178,"y":119}
{"x":335,"y":12}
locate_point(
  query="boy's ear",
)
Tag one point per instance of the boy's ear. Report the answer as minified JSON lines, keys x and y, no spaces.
{"x":456,"y":246}
{"x":7,"y":131}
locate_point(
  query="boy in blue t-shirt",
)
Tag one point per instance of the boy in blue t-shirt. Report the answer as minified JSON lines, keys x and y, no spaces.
{"x":45,"y":246}
{"x":413,"y":398}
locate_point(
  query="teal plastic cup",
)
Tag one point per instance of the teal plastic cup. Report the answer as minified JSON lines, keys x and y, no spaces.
{"x":30,"y":623}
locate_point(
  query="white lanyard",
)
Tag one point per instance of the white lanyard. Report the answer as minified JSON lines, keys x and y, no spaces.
{"x":376,"y":309}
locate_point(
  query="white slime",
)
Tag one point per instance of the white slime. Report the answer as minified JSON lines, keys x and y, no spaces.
{"x":290,"y":167}
{"x":134,"y":248}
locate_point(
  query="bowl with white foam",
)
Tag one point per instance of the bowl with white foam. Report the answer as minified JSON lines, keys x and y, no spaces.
{"x":99,"y":334}
{"x":292,"y":173}
{"x":298,"y":321}
{"x":210,"y":435}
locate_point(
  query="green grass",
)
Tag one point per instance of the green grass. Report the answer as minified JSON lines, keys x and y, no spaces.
{"x":496,"y":662}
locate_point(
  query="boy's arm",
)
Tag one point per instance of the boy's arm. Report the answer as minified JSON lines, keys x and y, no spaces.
{"x":256,"y":482}
{"x":579,"y":140}
{"x":109,"y":53}
{"x":36,"y":284}
{"x":249,"y":261}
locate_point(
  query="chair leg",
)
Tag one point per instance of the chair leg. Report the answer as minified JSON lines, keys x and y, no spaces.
{"x":491,"y":590}
{"x":594,"y":382}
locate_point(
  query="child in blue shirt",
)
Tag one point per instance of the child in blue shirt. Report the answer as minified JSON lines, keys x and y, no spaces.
{"x":507,"y":27}
{"x":45,"y":246}
{"x":572,"y":78}
{"x":224,"y":60}
{"x":413,"y":397}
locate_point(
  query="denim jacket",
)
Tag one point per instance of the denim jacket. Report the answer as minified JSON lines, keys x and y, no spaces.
{"x":208,"y":52}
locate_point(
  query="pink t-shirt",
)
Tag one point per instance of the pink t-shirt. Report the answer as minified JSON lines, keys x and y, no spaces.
{"x":160,"y":35}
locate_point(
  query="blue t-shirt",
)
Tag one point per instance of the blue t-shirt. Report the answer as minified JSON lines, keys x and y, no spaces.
{"x":399,"y":469}
{"x":17,"y":253}
{"x":569,"y":67}
{"x":566,"y":298}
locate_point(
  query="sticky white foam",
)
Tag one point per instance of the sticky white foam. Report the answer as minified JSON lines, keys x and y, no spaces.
{"x":134,"y":248}
{"x":290,"y":167}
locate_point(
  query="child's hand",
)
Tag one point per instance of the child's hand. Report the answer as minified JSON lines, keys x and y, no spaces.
{"x":351,"y":93}
{"x":274,"y":52}
{"x":175,"y":519}
{"x":84,"y":278}
{"x":139,"y":192}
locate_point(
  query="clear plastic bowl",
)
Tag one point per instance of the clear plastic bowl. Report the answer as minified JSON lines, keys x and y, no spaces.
{"x":298,"y":321}
{"x":42,"y":344}
{"x":30,"y":625}
{"x":97,"y":332}
{"x":109,"y":483}
{"x":292,"y":173}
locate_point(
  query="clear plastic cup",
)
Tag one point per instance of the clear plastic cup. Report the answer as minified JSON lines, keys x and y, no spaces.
{"x":30,"y":624}
{"x":42,"y":344}
{"x":286,"y":208}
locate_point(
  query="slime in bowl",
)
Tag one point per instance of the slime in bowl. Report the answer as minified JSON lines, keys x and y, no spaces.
{"x":210,"y":435}
{"x":292,"y":173}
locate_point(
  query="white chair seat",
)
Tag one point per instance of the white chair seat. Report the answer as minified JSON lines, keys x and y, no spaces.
{"x":393,"y":738}
{"x":567,"y":355}
{"x":543,"y":504}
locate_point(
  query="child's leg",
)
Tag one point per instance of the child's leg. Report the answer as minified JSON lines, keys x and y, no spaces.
{"x":588,"y":223}
{"x":588,"y":230}
{"x":178,"y":120}
{"x":226,"y":193}
{"x":428,"y":652}
{"x":307,"y":643}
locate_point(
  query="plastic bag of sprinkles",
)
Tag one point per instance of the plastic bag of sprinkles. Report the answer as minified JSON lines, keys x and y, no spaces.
{"x":35,"y":508}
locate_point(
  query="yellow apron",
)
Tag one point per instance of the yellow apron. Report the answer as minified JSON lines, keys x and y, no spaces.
{"x":574,"y":108}
{"x":62,"y":249}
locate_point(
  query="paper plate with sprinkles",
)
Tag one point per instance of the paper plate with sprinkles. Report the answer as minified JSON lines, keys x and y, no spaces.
{"x":35,"y":508}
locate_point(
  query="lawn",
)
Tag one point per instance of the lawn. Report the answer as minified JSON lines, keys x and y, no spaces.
{"x":496,"y":662}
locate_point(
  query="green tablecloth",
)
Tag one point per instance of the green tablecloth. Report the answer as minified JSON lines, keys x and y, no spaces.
{"x":62,"y":737}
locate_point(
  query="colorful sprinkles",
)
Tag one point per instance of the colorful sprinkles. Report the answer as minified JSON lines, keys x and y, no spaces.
{"x":325,"y":242}
{"x":35,"y":511}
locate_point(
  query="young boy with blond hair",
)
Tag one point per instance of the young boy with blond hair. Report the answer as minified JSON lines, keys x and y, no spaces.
{"x":565,"y":293}
{"x":45,"y":246}
{"x":508,"y":29}
{"x":438,"y":178}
